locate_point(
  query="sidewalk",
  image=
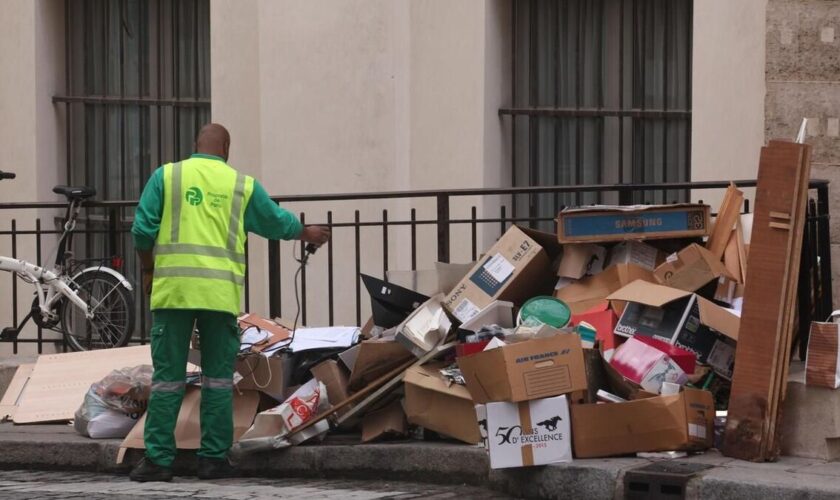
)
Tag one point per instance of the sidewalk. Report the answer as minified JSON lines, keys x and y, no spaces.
{"x":58,"y":447}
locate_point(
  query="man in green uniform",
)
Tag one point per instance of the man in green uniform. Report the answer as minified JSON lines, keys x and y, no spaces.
{"x":190,"y":230}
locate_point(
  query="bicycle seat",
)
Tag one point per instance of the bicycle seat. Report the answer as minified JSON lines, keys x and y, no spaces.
{"x":75,"y":192}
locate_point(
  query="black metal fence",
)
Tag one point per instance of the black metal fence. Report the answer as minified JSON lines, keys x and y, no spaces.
{"x":105,"y":227}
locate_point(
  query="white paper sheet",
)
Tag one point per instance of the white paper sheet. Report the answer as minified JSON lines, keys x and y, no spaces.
{"x":318,"y":338}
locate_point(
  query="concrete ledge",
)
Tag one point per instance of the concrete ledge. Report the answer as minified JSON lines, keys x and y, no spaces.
{"x":58,"y":447}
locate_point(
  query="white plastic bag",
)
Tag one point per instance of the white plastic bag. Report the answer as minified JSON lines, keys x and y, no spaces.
{"x":114,"y":404}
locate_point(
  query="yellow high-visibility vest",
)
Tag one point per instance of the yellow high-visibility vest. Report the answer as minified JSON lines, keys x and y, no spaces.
{"x":200,"y":249}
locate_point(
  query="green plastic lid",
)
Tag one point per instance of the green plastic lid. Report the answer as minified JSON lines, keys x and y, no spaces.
{"x":548,"y":310}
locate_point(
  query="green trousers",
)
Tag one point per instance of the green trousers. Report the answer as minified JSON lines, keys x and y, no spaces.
{"x":219,"y":341}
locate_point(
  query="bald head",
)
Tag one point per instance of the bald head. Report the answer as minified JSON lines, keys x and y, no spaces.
{"x":213,"y":139}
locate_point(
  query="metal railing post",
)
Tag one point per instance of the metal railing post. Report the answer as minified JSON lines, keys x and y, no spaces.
{"x":443,"y":228}
{"x":112,"y":232}
{"x":274,"y":297}
{"x":824,"y":237}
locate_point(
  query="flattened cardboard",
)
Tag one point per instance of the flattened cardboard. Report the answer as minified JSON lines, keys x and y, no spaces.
{"x":528,"y":433}
{"x":376,"y":358}
{"x":387,"y":422}
{"x":14,"y":392}
{"x":690,"y":269}
{"x":516,"y":268}
{"x":265,"y":374}
{"x":593,"y":290}
{"x":59,"y":382}
{"x":581,"y":259}
{"x":527,"y":370}
{"x":604,"y":223}
{"x":188,"y":429}
{"x":441,"y":279}
{"x":683,"y":421}
{"x":433,"y":402}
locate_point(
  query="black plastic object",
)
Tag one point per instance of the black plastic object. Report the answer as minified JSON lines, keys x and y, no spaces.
{"x":391,"y":304}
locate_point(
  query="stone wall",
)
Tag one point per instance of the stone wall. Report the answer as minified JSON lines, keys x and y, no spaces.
{"x":803,"y":81}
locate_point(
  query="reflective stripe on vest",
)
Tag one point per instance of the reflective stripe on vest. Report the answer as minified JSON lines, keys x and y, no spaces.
{"x":200,"y":257}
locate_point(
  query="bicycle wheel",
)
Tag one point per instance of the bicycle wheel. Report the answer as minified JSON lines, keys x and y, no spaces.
{"x":113,"y":308}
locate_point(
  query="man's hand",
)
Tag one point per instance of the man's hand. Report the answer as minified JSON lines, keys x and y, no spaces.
{"x":317,"y":235}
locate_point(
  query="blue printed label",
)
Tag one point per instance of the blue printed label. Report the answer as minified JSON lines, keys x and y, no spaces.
{"x":638,"y":223}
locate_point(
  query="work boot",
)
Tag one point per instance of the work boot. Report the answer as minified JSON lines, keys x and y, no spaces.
{"x":147,"y":471}
{"x":216,"y":468}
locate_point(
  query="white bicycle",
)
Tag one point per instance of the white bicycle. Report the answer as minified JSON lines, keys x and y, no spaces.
{"x":93,"y":306}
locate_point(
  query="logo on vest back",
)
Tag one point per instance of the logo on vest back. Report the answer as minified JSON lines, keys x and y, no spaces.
{"x":194,"y":196}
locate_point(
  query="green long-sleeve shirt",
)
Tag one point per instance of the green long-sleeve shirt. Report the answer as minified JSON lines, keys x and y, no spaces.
{"x":262,"y":216}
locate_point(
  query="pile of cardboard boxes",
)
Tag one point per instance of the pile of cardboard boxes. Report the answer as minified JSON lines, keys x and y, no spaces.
{"x":651,"y":319}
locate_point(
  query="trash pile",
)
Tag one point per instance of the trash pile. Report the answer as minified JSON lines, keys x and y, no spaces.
{"x":613,"y":337}
{"x":617,"y":335}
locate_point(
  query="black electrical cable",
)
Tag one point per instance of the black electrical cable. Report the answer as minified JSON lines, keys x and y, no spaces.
{"x":310,"y":249}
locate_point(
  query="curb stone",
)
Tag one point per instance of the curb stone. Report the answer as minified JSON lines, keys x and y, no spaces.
{"x":57,"y":447}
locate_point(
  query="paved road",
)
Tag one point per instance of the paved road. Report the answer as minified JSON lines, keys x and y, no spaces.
{"x":79,"y":485}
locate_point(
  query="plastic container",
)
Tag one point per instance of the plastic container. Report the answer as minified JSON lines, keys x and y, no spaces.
{"x":548,"y":310}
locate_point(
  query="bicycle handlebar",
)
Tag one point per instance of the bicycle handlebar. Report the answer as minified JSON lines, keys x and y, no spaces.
{"x":6,"y":175}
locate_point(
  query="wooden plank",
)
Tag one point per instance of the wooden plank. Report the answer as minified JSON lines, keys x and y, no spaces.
{"x":742,"y":249}
{"x":59,"y":381}
{"x":14,"y":392}
{"x":761,"y":340}
{"x":773,"y":447}
{"x":728,"y":213}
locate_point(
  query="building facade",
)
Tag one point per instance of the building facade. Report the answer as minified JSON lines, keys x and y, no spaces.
{"x":342,"y":96}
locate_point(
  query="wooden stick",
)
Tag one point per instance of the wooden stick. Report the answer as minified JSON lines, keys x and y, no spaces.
{"x":728,"y":213}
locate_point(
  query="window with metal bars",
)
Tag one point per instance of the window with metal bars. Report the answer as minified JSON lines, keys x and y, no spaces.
{"x":137,"y":91}
{"x":137,"y":88}
{"x":601,"y":95}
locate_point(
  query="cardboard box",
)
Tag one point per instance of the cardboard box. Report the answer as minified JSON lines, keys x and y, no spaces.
{"x":602,"y":223}
{"x":581,"y":259}
{"x":528,"y":433}
{"x":424,"y":328}
{"x":690,"y":269}
{"x":265,"y":374}
{"x":375,"y":358}
{"x":387,"y":422}
{"x":683,"y":421}
{"x":593,"y":290}
{"x":516,"y":268}
{"x":441,"y":279}
{"x":527,"y":370}
{"x":681,"y":318}
{"x":603,"y":319}
{"x":636,"y":253}
{"x":335,"y":377}
{"x":498,"y":312}
{"x":433,"y":402}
